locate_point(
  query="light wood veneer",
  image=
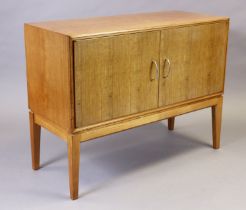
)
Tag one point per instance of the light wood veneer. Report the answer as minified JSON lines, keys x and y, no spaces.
{"x":93,"y":77}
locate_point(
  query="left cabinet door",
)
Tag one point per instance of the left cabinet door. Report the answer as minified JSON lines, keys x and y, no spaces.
{"x":115,"y":76}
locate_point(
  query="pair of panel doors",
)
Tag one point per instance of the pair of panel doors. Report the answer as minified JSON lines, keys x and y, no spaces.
{"x":120,"y":75}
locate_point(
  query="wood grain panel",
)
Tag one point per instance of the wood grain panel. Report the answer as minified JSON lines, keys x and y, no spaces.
{"x":97,"y":26}
{"x":197,"y":55}
{"x":112,"y":76}
{"x":49,"y":76}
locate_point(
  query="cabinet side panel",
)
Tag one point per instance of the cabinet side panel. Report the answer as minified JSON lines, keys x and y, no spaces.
{"x":49,"y":77}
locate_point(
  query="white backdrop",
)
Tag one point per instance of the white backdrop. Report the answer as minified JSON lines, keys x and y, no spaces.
{"x":106,"y":160}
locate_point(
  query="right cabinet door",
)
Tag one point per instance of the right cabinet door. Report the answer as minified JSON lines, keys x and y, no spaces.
{"x":192,"y":62}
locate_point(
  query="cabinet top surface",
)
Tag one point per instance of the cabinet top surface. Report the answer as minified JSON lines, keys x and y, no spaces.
{"x":78,"y":28}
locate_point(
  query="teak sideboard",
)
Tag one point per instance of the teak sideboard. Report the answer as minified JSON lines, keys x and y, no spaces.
{"x":92,"y":77}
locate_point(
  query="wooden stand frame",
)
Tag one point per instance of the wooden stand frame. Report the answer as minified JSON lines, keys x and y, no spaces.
{"x":74,"y":138}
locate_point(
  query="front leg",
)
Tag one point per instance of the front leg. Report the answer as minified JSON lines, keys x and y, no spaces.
{"x":35,"y":141}
{"x":73,"y":162}
{"x":216,"y":122}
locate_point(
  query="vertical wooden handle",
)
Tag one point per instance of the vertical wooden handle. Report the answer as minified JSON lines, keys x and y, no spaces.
{"x":166,"y":61}
{"x":156,"y":70}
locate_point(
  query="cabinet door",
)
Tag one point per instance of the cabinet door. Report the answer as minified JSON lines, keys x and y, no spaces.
{"x":115,"y":76}
{"x":192,"y":62}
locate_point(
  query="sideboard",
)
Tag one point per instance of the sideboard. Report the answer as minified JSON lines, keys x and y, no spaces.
{"x":92,"y":77}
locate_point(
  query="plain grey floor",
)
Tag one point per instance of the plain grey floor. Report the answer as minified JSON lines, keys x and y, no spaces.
{"x":140,"y":169}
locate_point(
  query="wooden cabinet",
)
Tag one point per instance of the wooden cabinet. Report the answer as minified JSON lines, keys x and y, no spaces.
{"x":92,"y":77}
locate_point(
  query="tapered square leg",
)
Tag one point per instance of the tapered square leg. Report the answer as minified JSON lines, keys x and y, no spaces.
{"x":216,"y":122}
{"x":171,"y":121}
{"x":73,"y":160}
{"x":35,"y":142}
